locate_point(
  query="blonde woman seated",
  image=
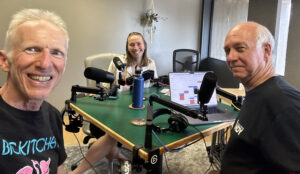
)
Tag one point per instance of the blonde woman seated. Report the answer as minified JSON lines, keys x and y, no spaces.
{"x":136,"y":55}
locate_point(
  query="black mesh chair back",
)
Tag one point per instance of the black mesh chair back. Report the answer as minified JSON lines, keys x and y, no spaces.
{"x":185,"y":60}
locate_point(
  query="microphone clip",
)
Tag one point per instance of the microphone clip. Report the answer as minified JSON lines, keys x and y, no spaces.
{"x":111,"y":93}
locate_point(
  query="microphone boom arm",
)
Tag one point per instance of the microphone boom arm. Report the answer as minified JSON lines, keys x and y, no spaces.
{"x":77,"y":88}
{"x":177,"y":107}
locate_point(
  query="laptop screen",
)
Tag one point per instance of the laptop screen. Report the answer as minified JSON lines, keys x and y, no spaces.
{"x":182,"y":86}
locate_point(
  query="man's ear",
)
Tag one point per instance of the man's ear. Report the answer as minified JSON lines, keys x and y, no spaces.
{"x":267,"y":51}
{"x":4,"y":62}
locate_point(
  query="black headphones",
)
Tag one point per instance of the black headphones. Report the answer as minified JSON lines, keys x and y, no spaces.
{"x":177,"y":123}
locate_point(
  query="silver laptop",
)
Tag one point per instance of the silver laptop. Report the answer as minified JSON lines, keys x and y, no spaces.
{"x":182,"y":86}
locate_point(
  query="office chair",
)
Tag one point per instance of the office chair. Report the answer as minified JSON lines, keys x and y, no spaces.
{"x":100,"y":61}
{"x":220,"y":68}
{"x":185,"y":60}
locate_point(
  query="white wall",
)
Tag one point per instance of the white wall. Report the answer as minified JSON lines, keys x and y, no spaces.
{"x":292,"y":69}
{"x":226,"y":14}
{"x":258,"y":13}
{"x":97,"y":26}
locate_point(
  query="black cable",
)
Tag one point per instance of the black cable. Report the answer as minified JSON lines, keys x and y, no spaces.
{"x":211,"y":163}
{"x":225,"y":134}
{"x":167,"y":164}
{"x":186,"y":145}
{"x":176,"y":150}
{"x":203,"y":137}
{"x":83,"y":156}
{"x":211,"y":166}
{"x":173,"y":150}
{"x":204,"y":141}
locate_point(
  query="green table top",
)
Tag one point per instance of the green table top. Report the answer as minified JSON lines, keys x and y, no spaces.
{"x":115,"y":116}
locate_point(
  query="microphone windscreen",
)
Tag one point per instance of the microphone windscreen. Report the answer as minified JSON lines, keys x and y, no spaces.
{"x":98,"y":75}
{"x":118,"y":63}
{"x":207,"y":88}
{"x":149,"y":74}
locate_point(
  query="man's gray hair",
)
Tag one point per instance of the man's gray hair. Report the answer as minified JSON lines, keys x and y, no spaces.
{"x":31,"y":15}
{"x":263,"y":35}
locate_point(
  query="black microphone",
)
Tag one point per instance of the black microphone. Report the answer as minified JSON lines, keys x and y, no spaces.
{"x":98,"y":75}
{"x":119,"y":64}
{"x":207,"y":88}
{"x":121,"y":67}
{"x":149,"y":74}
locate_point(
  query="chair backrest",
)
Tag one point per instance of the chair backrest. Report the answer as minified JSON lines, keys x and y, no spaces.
{"x":100,"y":61}
{"x":185,"y":60}
{"x":220,"y":68}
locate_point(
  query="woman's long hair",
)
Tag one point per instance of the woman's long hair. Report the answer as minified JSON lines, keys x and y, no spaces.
{"x":129,"y":58}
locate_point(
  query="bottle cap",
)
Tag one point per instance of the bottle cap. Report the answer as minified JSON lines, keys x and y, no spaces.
{"x":138,"y":70}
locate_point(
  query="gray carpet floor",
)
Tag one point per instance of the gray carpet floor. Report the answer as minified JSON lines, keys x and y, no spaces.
{"x":190,"y":160}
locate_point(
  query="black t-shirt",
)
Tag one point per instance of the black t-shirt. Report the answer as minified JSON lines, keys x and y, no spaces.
{"x":31,"y":141}
{"x":266,"y":134}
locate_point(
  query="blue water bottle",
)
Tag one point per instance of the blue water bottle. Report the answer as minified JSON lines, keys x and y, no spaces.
{"x":138,"y":90}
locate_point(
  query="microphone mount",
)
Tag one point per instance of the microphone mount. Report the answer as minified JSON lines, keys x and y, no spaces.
{"x":203,"y":110}
{"x":203,"y":106}
{"x":75,"y":121}
{"x":103,"y":95}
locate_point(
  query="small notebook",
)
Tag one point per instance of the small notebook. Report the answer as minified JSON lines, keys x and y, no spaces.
{"x":182,"y":87}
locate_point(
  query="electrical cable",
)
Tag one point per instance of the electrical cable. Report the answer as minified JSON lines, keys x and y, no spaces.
{"x":163,"y":84}
{"x":165,"y":147}
{"x":211,"y":163}
{"x":173,"y":150}
{"x":235,"y":106}
{"x":80,"y":148}
{"x":201,"y":135}
{"x":167,"y":163}
{"x":225,"y":133}
{"x":160,"y":83}
{"x":210,"y":167}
